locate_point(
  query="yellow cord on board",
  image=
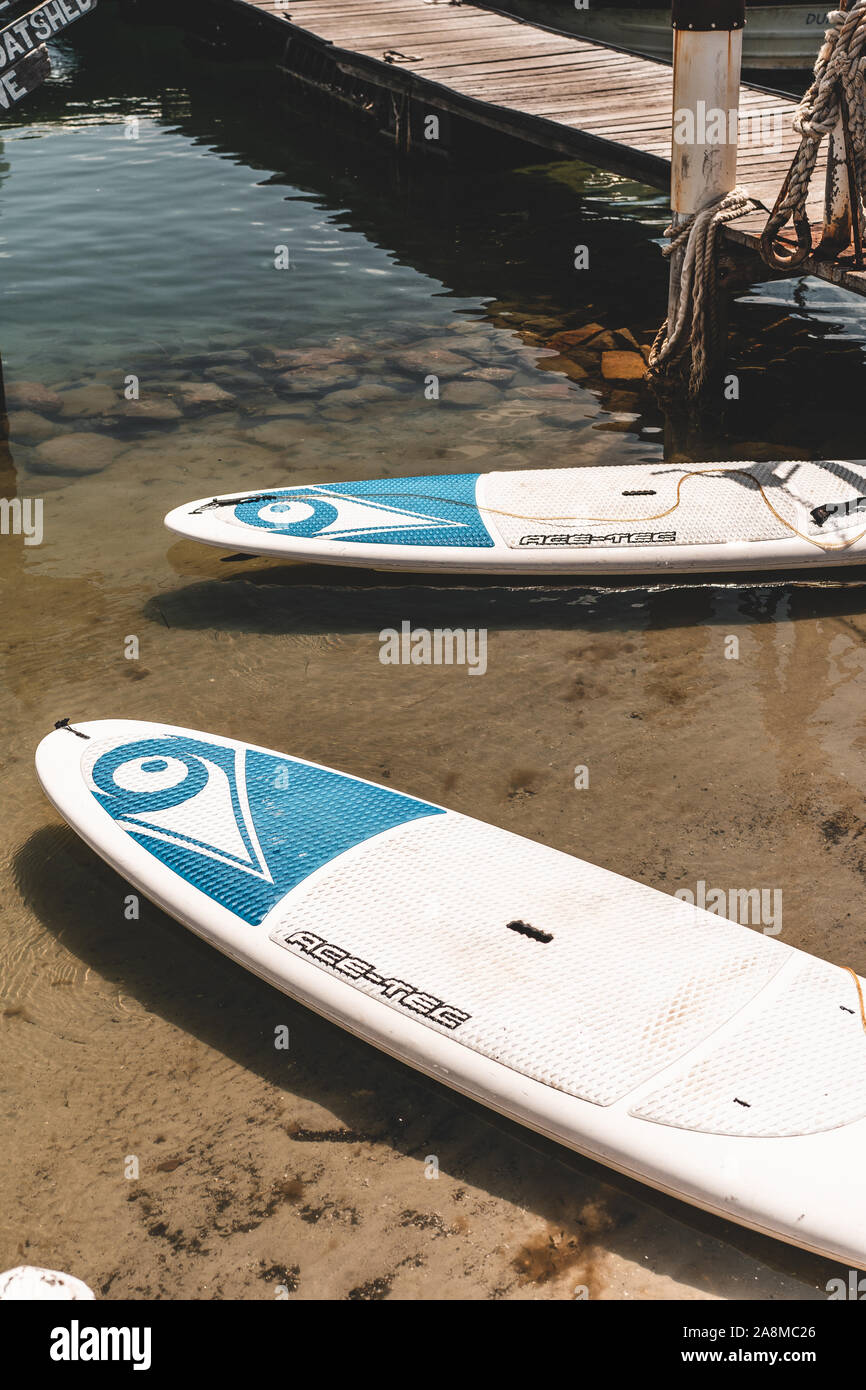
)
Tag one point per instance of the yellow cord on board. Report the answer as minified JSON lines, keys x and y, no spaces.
{"x":657,"y":516}
{"x":856,"y":979}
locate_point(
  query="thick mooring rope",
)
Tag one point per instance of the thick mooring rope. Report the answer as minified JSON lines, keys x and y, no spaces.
{"x":838,"y":88}
{"x":698,"y":323}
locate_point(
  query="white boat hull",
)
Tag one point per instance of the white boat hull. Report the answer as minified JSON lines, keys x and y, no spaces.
{"x":776,"y":36}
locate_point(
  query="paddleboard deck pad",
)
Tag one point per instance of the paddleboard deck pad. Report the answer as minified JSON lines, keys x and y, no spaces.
{"x":635,"y":519}
{"x":708,"y":1060}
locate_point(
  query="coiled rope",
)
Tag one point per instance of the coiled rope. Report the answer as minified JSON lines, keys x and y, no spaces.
{"x":838,"y":89}
{"x":698,"y":322}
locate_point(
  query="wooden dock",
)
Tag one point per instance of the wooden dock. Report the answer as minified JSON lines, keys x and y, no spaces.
{"x":598,"y":103}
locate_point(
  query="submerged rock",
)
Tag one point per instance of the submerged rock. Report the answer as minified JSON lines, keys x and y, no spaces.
{"x":29,"y":427}
{"x":476,"y":345}
{"x":542,"y":323}
{"x":32,"y":395}
{"x":366,"y":393}
{"x":628,"y":340}
{"x":494,"y":374}
{"x":313,"y":381}
{"x":573,"y":337}
{"x":565,"y":366}
{"x":150,"y":410}
{"x":549,"y":391}
{"x":289,"y":409}
{"x":421,"y":361}
{"x":162,"y":386}
{"x":236,"y":378}
{"x":82,"y":402}
{"x":202,"y":395}
{"x":340,"y":350}
{"x":627,"y":401}
{"x":477,"y":394}
{"x":622,"y":366}
{"x":74,"y":454}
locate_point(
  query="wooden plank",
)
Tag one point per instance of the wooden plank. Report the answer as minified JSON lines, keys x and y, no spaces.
{"x":556,"y":62}
{"x":544,"y":86}
{"x":373,"y":20}
{"x":318,"y":10}
{"x":528,"y":76}
{"x":575,"y":64}
{"x":454,"y":47}
{"x":428,"y":44}
{"x":588,"y":95}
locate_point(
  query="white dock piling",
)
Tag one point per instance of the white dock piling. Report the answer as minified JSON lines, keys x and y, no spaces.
{"x":708,"y":45}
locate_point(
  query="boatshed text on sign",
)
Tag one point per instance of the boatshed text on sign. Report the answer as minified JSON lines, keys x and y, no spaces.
{"x":27,"y":74}
{"x":28,"y":32}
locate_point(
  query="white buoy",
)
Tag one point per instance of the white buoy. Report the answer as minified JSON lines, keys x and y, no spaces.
{"x":29,"y":1283}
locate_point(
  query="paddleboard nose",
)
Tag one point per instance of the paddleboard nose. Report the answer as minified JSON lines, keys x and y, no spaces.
{"x":183,"y":521}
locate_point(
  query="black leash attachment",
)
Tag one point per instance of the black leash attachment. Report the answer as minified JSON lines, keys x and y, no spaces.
{"x":65,"y":724}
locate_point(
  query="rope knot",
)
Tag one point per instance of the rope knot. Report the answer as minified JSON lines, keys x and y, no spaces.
{"x":697,"y":321}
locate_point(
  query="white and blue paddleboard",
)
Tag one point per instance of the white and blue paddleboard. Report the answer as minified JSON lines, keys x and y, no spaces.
{"x":635,"y":519}
{"x":705,"y":1059}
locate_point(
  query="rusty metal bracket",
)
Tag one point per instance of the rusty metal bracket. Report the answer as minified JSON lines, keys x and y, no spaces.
{"x":775,"y":222}
{"x":831,"y":243}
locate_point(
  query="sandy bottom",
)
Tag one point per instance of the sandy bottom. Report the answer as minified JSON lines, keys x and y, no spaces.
{"x":131,"y":1047}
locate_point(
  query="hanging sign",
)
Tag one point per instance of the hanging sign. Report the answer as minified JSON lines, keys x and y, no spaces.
{"x":24,"y":77}
{"x":25,"y":34}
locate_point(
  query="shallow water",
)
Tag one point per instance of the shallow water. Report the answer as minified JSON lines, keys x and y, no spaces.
{"x":153,"y":256}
